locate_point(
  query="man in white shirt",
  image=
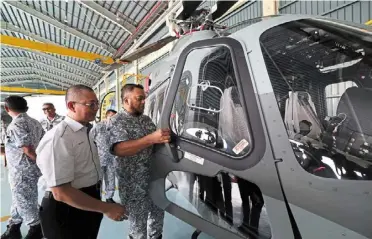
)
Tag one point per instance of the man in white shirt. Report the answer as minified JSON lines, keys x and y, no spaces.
{"x":68,"y":160}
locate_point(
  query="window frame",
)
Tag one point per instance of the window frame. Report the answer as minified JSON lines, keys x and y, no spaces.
{"x":248,"y":99}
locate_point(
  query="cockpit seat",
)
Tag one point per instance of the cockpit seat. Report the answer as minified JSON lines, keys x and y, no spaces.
{"x":299,"y":112}
{"x":354,"y":134}
{"x":233,"y":126}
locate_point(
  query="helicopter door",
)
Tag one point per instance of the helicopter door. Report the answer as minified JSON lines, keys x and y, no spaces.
{"x":223,"y":174}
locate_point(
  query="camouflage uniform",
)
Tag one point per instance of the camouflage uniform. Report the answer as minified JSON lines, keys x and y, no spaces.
{"x":23,"y":172}
{"x":107,"y":160}
{"x":49,"y":124}
{"x":133,"y":174}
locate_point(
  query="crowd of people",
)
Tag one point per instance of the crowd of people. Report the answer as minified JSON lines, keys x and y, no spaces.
{"x":71,"y":157}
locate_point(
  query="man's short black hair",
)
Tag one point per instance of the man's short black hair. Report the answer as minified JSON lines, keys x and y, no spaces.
{"x":127,"y":88}
{"x":75,"y":90}
{"x":16,"y":103}
{"x":111,"y":111}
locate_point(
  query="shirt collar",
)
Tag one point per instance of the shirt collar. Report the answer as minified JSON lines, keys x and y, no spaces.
{"x":125,"y":112}
{"x":74,"y":125}
{"x":21,"y":115}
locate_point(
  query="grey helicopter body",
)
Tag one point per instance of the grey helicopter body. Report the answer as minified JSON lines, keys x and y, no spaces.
{"x":255,"y":152}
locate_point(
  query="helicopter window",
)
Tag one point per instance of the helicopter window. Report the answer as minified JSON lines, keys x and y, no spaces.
{"x":159,"y":105}
{"x":333,"y":93}
{"x":330,"y":131}
{"x":207,"y":108}
{"x":150,"y":111}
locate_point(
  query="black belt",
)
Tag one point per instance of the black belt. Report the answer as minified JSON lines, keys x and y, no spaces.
{"x":96,"y":186}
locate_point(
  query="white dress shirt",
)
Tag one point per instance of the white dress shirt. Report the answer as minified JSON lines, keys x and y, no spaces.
{"x":67,"y":154}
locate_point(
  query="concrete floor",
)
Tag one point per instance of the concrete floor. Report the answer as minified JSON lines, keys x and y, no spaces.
{"x":173,"y":227}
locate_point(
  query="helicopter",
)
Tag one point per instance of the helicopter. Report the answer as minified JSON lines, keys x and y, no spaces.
{"x":257,"y":149}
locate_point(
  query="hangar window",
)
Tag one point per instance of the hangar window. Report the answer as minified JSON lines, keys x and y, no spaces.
{"x":208,"y":109}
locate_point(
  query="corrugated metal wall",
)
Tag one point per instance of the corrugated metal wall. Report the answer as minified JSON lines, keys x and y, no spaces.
{"x":359,"y":11}
{"x":249,"y":10}
{"x":354,"y":11}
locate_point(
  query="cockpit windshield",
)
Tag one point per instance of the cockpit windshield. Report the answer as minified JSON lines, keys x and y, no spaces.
{"x":321,"y":74}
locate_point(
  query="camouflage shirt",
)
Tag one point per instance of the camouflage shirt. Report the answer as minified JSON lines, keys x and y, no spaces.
{"x":22,"y":131}
{"x":101,"y":139}
{"x":49,"y":124}
{"x":125,"y":127}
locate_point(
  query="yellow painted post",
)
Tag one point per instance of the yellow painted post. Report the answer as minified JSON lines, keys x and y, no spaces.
{"x":269,"y":7}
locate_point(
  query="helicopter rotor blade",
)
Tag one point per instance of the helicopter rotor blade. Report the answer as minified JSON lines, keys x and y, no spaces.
{"x":143,"y":51}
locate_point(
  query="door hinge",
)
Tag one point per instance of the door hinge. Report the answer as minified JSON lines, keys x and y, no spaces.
{"x":278,"y":160}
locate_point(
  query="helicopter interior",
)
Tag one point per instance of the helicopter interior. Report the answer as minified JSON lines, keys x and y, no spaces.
{"x":331,"y":134}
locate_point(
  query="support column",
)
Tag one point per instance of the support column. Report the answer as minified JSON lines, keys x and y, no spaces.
{"x":106,"y":85}
{"x":117,"y":91}
{"x":136,"y":70}
{"x":270,"y":7}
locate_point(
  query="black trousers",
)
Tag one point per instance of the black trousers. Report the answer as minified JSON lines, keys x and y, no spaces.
{"x":61,"y":221}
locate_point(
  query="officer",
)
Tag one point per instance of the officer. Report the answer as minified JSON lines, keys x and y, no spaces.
{"x":52,"y":118}
{"x":68,"y":158}
{"x":132,"y":136}
{"x":100,"y":136}
{"x":23,"y":136}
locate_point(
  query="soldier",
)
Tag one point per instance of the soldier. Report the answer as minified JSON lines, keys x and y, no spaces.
{"x":23,"y":136}
{"x":52,"y":118}
{"x":100,"y":135}
{"x":132,"y":136}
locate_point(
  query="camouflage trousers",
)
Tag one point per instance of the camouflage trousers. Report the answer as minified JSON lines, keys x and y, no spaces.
{"x":145,"y":218}
{"x":23,"y":186}
{"x":108,"y":173}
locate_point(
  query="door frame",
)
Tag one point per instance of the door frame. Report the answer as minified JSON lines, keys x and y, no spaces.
{"x":249,"y":103}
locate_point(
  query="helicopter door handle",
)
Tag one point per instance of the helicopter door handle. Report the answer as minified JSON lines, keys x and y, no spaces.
{"x":173,"y":152}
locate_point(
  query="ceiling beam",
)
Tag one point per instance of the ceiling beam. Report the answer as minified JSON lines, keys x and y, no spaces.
{"x":109,"y":16}
{"x":10,"y":27}
{"x":173,"y":6}
{"x":63,"y":62}
{"x":54,"y":49}
{"x":33,"y":69}
{"x":44,"y":73}
{"x":37,"y":64}
{"x":60,"y":25}
{"x":32,"y":91}
{"x":152,"y":15}
{"x":15,"y":78}
{"x":33,"y":81}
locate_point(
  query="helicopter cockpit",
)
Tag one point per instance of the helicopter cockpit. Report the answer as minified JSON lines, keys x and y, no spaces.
{"x":321,"y":75}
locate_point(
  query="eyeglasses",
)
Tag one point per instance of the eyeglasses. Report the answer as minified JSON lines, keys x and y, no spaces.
{"x":45,"y":109}
{"x":93,"y":105}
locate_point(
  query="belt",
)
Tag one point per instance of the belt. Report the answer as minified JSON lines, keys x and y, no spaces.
{"x":97,"y":186}
{"x":48,"y":195}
